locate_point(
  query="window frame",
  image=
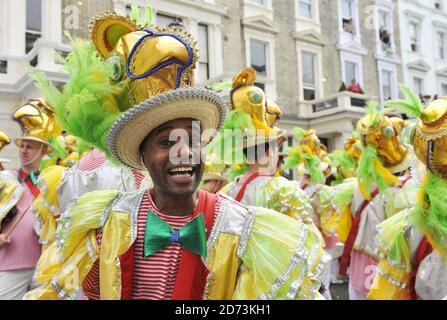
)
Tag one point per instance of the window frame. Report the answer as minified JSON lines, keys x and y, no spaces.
{"x":207,"y":32}
{"x":355,"y":58}
{"x":394,"y":90}
{"x":30,"y":32}
{"x":306,"y":86}
{"x":417,"y":27}
{"x":267,"y":58}
{"x":311,"y":7}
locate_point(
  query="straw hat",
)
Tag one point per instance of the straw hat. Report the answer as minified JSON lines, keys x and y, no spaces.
{"x":129,"y":131}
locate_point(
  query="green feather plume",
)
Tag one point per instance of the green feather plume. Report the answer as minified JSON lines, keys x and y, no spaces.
{"x":219,"y":86}
{"x":298,"y":133}
{"x":149,"y":15}
{"x":374,"y":114}
{"x":367,"y":173}
{"x":135,"y":14}
{"x":316,"y":176}
{"x":293,"y":159}
{"x":433,"y":220}
{"x":411,"y":106}
{"x":89,"y":103}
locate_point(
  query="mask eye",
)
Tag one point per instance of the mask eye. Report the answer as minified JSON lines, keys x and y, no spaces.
{"x":255,"y":96}
{"x":116,"y":68}
{"x":388,"y":132}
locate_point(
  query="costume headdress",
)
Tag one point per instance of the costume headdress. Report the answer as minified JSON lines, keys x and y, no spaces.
{"x":248,"y":124}
{"x":383,"y":152}
{"x":37,"y":121}
{"x":346,"y":160}
{"x":129,"y":82}
{"x":4,"y":141}
{"x":308,"y":155}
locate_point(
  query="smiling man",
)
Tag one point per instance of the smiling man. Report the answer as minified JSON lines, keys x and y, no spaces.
{"x":171,"y":241}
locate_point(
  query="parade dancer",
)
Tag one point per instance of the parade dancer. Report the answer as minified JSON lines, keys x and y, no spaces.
{"x":412,"y":244}
{"x":117,"y":244}
{"x":19,"y":245}
{"x":259,"y":186}
{"x":384,"y":187}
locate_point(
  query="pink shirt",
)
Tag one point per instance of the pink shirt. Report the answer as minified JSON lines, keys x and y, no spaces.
{"x":24,"y":249}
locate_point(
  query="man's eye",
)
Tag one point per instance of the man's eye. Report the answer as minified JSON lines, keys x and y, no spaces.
{"x":167,"y":143}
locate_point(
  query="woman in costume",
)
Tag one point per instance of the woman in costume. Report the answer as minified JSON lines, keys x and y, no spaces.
{"x":412,"y":244}
{"x":111,"y":240}
{"x":257,"y":185}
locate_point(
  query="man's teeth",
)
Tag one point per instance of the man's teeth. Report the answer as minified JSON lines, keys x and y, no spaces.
{"x":181,"y":170}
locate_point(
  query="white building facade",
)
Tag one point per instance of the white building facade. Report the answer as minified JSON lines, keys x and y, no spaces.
{"x":30,"y":32}
{"x":423,"y":27}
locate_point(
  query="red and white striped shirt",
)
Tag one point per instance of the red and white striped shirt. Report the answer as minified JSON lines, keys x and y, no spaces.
{"x":154,"y":276}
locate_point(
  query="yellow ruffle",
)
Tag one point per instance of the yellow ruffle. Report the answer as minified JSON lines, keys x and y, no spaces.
{"x":66,"y":262}
{"x":284,"y":258}
{"x":390,"y":283}
{"x":46,"y":205}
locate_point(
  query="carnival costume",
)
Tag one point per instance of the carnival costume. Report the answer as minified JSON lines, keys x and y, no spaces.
{"x":19,"y":257}
{"x":412,"y":244}
{"x":257,"y":189}
{"x":385,"y":185}
{"x":249,"y":253}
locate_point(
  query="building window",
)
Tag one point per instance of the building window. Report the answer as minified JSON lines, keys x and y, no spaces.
{"x":348,"y":16}
{"x":441,"y":45}
{"x":414,"y":37}
{"x":169,"y":21}
{"x":444,"y":89}
{"x":385,"y":30}
{"x":305,"y":8}
{"x":260,"y":2}
{"x":387,"y":84}
{"x":418,"y":85}
{"x":258,"y":56}
{"x":308,"y":67}
{"x":203,"y":71}
{"x":1,"y":26}
{"x":3,"y":66}
{"x":351,"y":72}
{"x":33,"y":23}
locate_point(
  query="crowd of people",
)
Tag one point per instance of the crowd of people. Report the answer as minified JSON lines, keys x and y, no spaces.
{"x":134,"y":184}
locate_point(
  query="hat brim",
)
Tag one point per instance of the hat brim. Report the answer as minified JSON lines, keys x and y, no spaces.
{"x":248,"y":142}
{"x":213,"y":176}
{"x":129,"y":131}
{"x":18,"y":141}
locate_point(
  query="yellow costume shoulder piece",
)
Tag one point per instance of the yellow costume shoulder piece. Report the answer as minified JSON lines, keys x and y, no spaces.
{"x":395,"y":242}
{"x":10,"y":193}
{"x":66,"y":262}
{"x":327,"y":213}
{"x":286,"y":197}
{"x":283,"y":258}
{"x":46,"y":205}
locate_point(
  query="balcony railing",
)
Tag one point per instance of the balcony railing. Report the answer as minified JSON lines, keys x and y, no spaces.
{"x":336,"y":103}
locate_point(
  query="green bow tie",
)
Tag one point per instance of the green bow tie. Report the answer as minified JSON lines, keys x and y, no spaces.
{"x":159,"y":234}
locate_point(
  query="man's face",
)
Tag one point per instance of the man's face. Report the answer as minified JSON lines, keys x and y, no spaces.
{"x":31,"y":152}
{"x":173,"y":157}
